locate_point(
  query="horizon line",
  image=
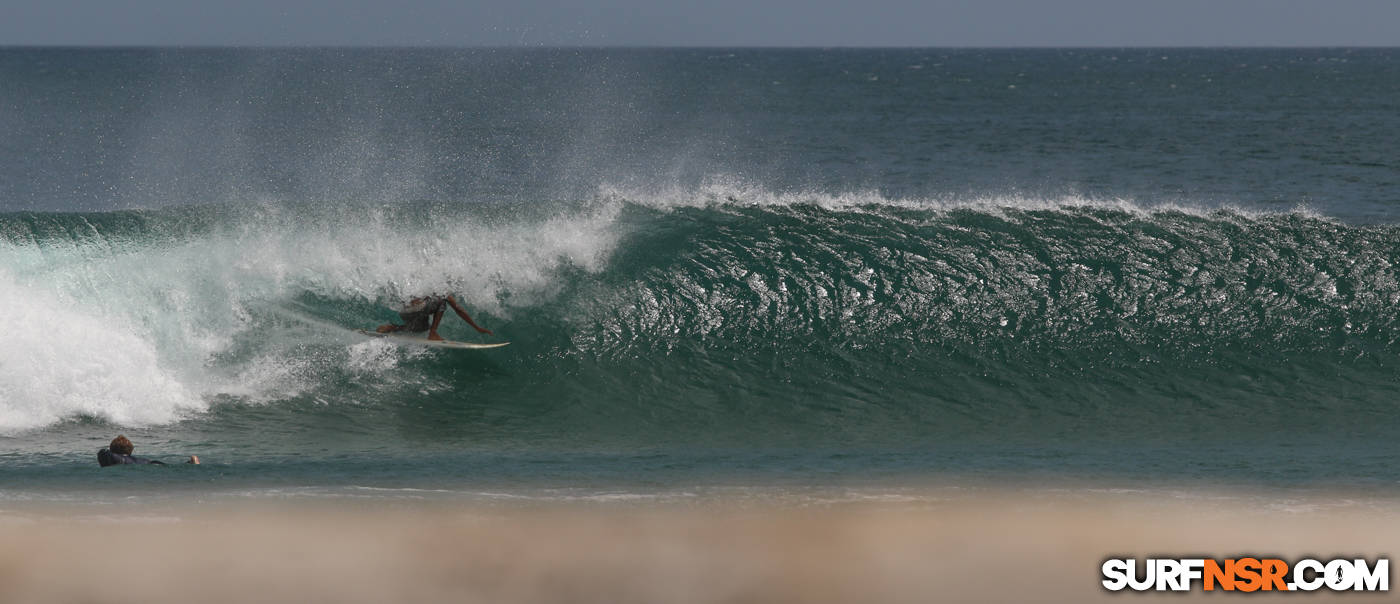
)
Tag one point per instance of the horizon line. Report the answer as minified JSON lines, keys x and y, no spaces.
{"x":294,"y":46}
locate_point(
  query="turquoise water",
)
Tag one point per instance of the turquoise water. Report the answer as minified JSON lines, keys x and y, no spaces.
{"x":789,"y":269}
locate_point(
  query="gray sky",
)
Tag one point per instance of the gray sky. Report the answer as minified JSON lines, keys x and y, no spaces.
{"x":703,"y":23}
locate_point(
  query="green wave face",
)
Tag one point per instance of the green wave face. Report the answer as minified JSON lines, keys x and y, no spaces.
{"x":757,"y":320}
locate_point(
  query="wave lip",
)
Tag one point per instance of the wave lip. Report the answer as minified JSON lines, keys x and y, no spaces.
{"x":727,"y":191}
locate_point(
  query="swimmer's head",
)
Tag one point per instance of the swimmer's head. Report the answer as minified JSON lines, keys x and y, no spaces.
{"x":121,"y":445}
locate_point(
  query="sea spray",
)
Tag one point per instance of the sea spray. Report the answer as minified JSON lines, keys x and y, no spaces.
{"x":253,"y":302}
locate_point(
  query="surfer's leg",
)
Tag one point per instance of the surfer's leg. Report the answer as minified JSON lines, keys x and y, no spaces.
{"x":432,"y":331}
{"x":461,"y":312}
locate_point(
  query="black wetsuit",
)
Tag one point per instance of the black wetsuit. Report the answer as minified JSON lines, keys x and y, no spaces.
{"x":107,"y":458}
{"x":419,"y":317}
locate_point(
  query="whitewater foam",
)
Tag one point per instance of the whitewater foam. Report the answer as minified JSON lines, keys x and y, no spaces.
{"x":62,"y":358}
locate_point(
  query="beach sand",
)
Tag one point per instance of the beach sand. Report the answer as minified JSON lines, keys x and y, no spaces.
{"x":995,"y":547}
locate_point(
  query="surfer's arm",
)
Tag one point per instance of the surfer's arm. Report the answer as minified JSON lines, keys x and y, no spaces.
{"x":457,"y":308}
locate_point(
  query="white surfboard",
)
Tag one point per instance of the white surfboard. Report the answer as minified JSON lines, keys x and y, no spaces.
{"x":413,"y":340}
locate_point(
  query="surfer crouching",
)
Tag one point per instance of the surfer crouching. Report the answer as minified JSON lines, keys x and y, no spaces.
{"x":119,"y":453}
{"x":425,"y":314}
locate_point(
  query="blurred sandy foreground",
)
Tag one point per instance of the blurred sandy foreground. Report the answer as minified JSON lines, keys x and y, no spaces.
{"x":987,"y":548}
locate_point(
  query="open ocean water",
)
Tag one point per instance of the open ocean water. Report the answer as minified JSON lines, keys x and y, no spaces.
{"x":782,"y":270}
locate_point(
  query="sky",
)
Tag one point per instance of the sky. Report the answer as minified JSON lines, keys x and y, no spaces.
{"x":701,"y":23}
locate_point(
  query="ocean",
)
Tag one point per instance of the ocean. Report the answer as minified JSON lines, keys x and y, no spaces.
{"x":807,"y":274}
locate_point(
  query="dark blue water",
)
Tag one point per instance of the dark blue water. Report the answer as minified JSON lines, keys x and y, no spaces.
{"x":790,"y":268}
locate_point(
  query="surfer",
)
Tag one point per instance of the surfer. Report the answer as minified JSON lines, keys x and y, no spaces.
{"x":425,"y":314}
{"x":119,"y":453}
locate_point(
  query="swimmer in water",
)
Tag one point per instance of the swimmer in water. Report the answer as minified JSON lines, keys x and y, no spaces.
{"x":119,"y":453}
